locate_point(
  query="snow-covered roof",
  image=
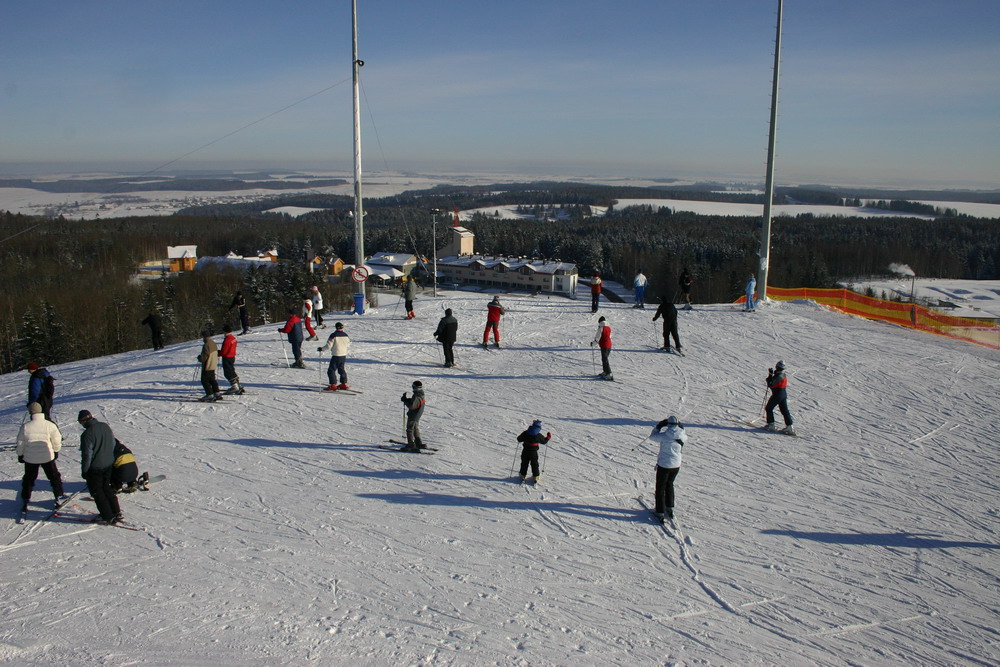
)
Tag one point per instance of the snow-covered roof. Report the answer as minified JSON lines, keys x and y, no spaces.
{"x":182,"y":251}
{"x":391,"y":259}
{"x":512,"y":264}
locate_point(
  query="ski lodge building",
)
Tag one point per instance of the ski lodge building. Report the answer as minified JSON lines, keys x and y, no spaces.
{"x":457,"y":263}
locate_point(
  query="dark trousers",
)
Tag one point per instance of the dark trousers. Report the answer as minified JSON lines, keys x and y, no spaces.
{"x":31,"y":474}
{"x":605,"y":353}
{"x":408,"y":305}
{"x":449,"y":353}
{"x":209,"y":382}
{"x":782,"y":404}
{"x":413,"y":433}
{"x":594,"y":298}
{"x":319,"y":317}
{"x":529,"y":456}
{"x":337,"y":367}
{"x":670,"y":330}
{"x":157,"y":337}
{"x":229,"y":370}
{"x":665,"y":488}
{"x":296,"y":349}
{"x":99,"y":485}
{"x":245,"y":319}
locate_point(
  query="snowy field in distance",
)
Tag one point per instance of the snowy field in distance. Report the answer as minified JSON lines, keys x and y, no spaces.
{"x":284,"y":535}
{"x":971,"y":298}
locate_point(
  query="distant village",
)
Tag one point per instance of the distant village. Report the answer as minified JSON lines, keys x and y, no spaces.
{"x":457,"y":265}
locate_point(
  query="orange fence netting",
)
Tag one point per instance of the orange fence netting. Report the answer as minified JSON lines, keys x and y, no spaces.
{"x":909,"y":315}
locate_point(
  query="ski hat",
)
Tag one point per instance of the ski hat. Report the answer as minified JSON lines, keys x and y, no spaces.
{"x":601,"y":319}
{"x":417,"y":384}
{"x":32,"y":367}
{"x":315,"y":289}
{"x":447,"y":312}
{"x":83,"y":416}
{"x":671,"y":421}
{"x":780,"y":366}
{"x":339,"y":325}
{"x":34,"y":408}
{"x":226,"y":328}
{"x":537,"y":422}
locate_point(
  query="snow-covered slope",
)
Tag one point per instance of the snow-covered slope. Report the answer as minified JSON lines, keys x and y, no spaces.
{"x":284,"y":535}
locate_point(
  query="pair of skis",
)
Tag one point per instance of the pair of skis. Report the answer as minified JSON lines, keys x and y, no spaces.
{"x":405,"y":448}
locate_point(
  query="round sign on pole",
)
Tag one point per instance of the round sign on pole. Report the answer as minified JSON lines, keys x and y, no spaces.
{"x":359,"y":274}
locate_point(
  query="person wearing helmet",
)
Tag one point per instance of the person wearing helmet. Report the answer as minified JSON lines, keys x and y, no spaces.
{"x":670,"y":435}
{"x":530,"y":439}
{"x":414,"y":409}
{"x":777,"y":382}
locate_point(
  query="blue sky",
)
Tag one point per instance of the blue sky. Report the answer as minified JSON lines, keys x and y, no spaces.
{"x":877,"y":92}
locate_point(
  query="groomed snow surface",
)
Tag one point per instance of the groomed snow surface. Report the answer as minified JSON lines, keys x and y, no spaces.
{"x":284,"y":535}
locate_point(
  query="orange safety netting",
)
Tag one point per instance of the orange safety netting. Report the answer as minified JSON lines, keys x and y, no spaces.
{"x":904,"y":314}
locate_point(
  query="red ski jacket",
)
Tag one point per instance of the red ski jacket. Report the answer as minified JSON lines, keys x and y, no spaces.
{"x":228,"y":347}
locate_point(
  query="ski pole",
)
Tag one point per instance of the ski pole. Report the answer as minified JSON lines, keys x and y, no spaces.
{"x":656,"y":339}
{"x":319,"y":366}
{"x":545,"y":455}
{"x":513,"y":463}
{"x":593,"y":356}
{"x":641,"y":443}
{"x":197,"y":372}
{"x":762,"y":404}
{"x":283,"y":350}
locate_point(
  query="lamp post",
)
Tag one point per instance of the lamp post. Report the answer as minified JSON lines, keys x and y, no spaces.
{"x":434,"y":233}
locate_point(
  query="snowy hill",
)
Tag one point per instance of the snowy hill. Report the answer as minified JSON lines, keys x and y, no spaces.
{"x":284,"y":535}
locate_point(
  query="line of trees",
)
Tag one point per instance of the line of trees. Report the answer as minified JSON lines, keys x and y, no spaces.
{"x":69,"y":290}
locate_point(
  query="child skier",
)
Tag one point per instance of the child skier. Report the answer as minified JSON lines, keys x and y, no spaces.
{"x":530,"y":439}
{"x":338,"y":343}
{"x":777,"y":382}
{"x":125,"y":476}
{"x":228,"y":356}
{"x":414,"y":410}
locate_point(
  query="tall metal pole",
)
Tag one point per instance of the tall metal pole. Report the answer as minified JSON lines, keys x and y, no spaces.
{"x":765,"y":232}
{"x":359,"y":214}
{"x":434,"y":217}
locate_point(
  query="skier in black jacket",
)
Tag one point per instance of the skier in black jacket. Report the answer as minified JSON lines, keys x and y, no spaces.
{"x":669,"y":313}
{"x":446,"y":333}
{"x":531,"y":439}
{"x":155,"y":324}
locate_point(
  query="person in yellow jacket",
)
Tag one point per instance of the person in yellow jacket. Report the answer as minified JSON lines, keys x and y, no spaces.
{"x":38,"y":445}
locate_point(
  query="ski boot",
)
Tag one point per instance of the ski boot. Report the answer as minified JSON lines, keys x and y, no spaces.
{"x":771,"y":426}
{"x":788,"y":430}
{"x":343,"y":385}
{"x":331,"y":387}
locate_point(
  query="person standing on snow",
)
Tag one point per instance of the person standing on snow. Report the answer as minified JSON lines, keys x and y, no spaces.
{"x":670,"y":435}
{"x":338,"y":343}
{"x":317,"y":300}
{"x":307,"y":307}
{"x":293,"y":329}
{"x":750,"y":290}
{"x":639,"y":284}
{"x":494,"y":311}
{"x":669,"y":313}
{"x":414,"y":410}
{"x":228,"y":355}
{"x":38,"y":445}
{"x":155,"y":324}
{"x":240,"y":302}
{"x":41,"y":388}
{"x":446,"y":334}
{"x":97,"y":458}
{"x":209,"y":360}
{"x":595,"y":291}
{"x":603,"y":340}
{"x":685,"y":283}
{"x":777,"y":382}
{"x":530,"y":440}
{"x":409,"y":294}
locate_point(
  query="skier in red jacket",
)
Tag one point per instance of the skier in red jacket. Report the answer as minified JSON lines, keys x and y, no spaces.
{"x":494,"y":312}
{"x":603,"y":340}
{"x":228,"y":356}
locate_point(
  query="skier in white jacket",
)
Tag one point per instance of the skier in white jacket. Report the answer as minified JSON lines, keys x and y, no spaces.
{"x":671,"y":437}
{"x":338,"y":343}
{"x":38,"y":445}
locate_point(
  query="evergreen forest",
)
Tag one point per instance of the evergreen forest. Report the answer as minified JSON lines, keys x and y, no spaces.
{"x":70,"y":290}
